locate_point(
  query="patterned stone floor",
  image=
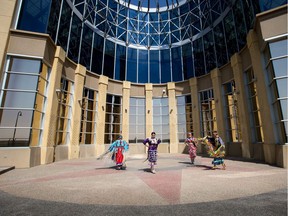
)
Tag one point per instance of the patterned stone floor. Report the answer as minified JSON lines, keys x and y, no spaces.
{"x":177,"y":183}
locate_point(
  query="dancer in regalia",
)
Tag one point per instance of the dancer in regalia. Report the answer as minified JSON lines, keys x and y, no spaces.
{"x":152,"y":144}
{"x":191,"y":142}
{"x":118,"y":149}
{"x":216,"y":149}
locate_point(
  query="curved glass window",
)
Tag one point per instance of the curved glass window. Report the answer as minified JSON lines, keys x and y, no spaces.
{"x":145,"y":41}
{"x":137,"y":120}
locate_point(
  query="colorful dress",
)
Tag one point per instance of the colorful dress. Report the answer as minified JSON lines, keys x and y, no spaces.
{"x":118,"y":148}
{"x":152,"y":149}
{"x":192,"y":147}
{"x":218,"y":152}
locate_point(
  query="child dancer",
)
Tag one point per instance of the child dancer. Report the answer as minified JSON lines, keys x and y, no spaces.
{"x":191,"y":142}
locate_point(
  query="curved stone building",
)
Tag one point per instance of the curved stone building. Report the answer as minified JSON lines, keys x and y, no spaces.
{"x":77,"y":73}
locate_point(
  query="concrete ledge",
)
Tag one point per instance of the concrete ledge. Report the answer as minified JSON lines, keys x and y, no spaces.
{"x":87,"y":150}
{"x":15,"y":156}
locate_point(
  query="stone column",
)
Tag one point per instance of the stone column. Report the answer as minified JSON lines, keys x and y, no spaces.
{"x":262,"y":93}
{"x":219,"y":102}
{"x":196,"y":111}
{"x":237,"y":67}
{"x":196,"y":107}
{"x":149,"y":109}
{"x":76,"y":112}
{"x":125,"y":109}
{"x":49,"y":128}
{"x":173,"y":127}
{"x":100,"y":128}
{"x":6,"y":18}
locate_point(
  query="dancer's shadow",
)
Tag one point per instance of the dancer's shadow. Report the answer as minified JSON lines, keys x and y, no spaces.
{"x":145,"y":170}
{"x":111,"y":167}
{"x":185,"y":162}
{"x":205,"y":167}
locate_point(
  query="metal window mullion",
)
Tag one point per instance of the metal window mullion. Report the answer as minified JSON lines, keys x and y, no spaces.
{"x":4,"y":78}
{"x":19,"y":90}
{"x":23,"y":73}
{"x":69,"y":34}
{"x":58,"y":24}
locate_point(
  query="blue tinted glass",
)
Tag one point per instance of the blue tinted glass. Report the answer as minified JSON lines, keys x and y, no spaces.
{"x":97,"y":54}
{"x":176,"y":64}
{"x":198,"y":57}
{"x":143,"y":66}
{"x":230,"y":33}
{"x":282,"y":87}
{"x":220,"y":45}
{"x":165,"y":66}
{"x":280,"y":67}
{"x":109,"y":59}
{"x":120,"y":63}
{"x":240,"y":27}
{"x":132,"y":65}
{"x":210,"y":56}
{"x":86,"y":46}
{"x":164,"y":16}
{"x":187,"y":61}
{"x":34,"y":15}
{"x":268,"y":4}
{"x":53,"y":19}
{"x":64,"y":26}
{"x":154,"y":66}
{"x":278,"y":48}
{"x":25,"y":65}
{"x":75,"y":36}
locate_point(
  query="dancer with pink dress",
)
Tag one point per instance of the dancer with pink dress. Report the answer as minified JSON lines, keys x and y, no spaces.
{"x":191,"y":142}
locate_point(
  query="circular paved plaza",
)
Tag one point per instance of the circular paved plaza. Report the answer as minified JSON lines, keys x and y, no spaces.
{"x":95,"y":187}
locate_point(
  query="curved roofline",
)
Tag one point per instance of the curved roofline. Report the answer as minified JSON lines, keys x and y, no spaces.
{"x":177,"y":4}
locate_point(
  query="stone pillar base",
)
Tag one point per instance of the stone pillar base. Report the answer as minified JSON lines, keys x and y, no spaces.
{"x":87,"y":151}
{"x":269,"y":153}
{"x":61,"y":152}
{"x":282,"y":155}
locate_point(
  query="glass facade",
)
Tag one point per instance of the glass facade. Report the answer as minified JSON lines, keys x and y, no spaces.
{"x":88,"y":117}
{"x":64,"y":111}
{"x":208,"y":112}
{"x":184,"y":116}
{"x":161,"y":119}
{"x":276,"y":57}
{"x":137,"y":119}
{"x":233,"y":131}
{"x":254,"y":113}
{"x":145,"y":41}
{"x":113,"y":118}
{"x":23,"y":99}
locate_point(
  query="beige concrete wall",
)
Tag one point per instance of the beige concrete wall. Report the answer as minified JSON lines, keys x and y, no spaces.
{"x":173,"y":127}
{"x":219,"y":102}
{"x":273,"y":22}
{"x":6,"y":15}
{"x":15,"y":156}
{"x":149,"y":109}
{"x":262,"y":92}
{"x":125,"y":109}
{"x":76,"y":111}
{"x":100,"y":128}
{"x":49,"y":128}
{"x":246,"y":145}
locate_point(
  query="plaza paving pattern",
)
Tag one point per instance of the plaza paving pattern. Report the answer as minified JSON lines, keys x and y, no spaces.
{"x":95,"y":187}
